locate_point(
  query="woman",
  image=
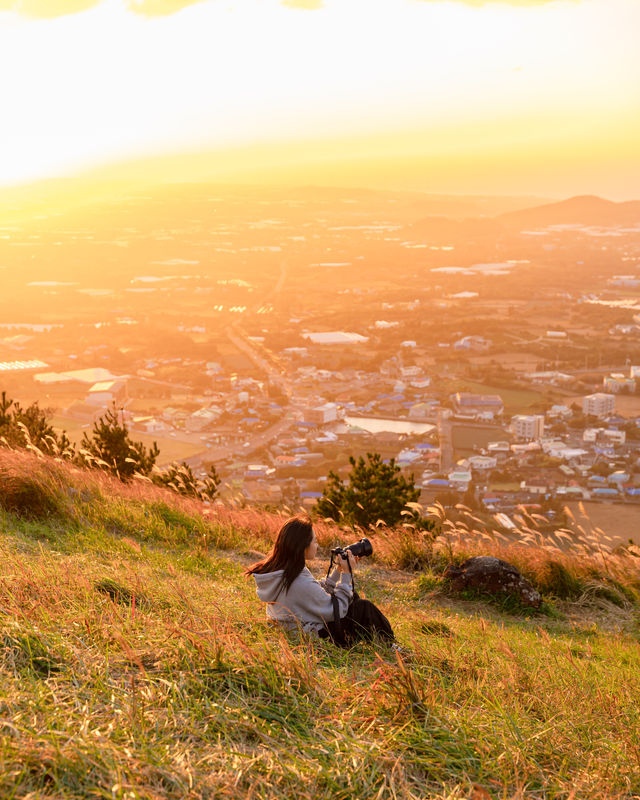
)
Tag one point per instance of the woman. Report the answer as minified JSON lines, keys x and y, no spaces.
{"x":295,"y":599}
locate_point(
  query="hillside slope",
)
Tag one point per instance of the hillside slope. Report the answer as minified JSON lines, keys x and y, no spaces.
{"x":582,"y":210}
{"x":136,"y":663}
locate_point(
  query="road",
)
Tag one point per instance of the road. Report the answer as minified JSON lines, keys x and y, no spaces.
{"x":292,"y":410}
{"x":445,"y":435}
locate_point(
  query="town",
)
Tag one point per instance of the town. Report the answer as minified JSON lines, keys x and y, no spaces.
{"x":489,"y":345}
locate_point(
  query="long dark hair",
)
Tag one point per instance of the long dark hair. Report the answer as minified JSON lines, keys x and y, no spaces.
{"x":288,"y":551}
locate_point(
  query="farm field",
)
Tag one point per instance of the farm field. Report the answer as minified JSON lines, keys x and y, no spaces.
{"x":621,"y":521}
{"x":466,"y":437}
{"x":516,"y":401}
{"x":511,"y":359}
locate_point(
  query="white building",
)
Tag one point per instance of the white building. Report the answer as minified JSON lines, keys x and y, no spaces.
{"x":320,"y":415}
{"x":482,"y":462}
{"x":528,"y":426}
{"x":149,"y":424}
{"x":616,"y":382}
{"x":381,"y":324}
{"x":88,"y":376}
{"x":598,"y":404}
{"x":472,"y":343}
{"x":549,"y":376}
{"x":604,"y":434}
{"x":559,"y":412}
{"x":499,"y":447}
{"x":561,"y":451}
{"x":105,"y":393}
{"x":460,"y":479}
{"x":335,"y":337}
{"x":410,"y":372}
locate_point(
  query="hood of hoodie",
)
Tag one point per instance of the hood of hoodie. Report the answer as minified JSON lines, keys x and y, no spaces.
{"x":269,"y":585}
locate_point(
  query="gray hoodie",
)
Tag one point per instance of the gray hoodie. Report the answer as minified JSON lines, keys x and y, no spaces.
{"x":307,"y":602}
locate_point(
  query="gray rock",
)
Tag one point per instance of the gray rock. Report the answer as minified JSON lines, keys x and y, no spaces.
{"x":493,"y":576}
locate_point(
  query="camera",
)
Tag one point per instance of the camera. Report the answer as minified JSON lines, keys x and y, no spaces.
{"x":361,"y":548}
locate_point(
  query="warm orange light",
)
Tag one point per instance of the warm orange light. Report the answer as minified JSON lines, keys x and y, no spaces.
{"x":437,"y":95}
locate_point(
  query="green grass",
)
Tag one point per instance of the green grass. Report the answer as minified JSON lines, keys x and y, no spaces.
{"x":136,"y":662}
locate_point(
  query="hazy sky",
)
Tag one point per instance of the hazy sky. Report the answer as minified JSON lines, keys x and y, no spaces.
{"x":478,"y":96}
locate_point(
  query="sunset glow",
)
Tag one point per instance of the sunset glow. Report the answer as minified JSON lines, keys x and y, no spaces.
{"x":443,"y":96}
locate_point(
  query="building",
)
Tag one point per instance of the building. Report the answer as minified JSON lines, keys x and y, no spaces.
{"x":320,"y":415}
{"x":258,"y":471}
{"x":460,"y":479}
{"x":86,"y":376}
{"x":598,"y":404}
{"x":478,"y":343}
{"x":611,"y":435}
{"x":534,"y":486}
{"x":616,"y":383}
{"x":106,"y":393}
{"x":16,"y":366}
{"x":423,"y":410}
{"x":482,"y":462}
{"x":466,"y":403}
{"x":335,"y":337}
{"x":149,"y":424}
{"x":549,"y":376}
{"x":410,"y":372}
{"x":528,"y":426}
{"x":619,"y":477}
{"x":559,"y":412}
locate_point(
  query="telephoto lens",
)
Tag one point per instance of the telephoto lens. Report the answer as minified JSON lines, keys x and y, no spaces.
{"x":359,"y":549}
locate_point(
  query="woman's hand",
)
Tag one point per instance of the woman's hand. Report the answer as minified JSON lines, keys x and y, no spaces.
{"x":343,"y":563}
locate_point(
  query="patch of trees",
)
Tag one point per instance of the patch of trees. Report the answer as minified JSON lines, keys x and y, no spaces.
{"x":29,"y":428}
{"x":109,"y":447}
{"x":375,"y":491}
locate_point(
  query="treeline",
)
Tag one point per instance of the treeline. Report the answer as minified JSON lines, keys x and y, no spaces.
{"x":109,"y":447}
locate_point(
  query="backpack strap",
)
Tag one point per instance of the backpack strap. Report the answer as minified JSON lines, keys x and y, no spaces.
{"x":338,"y":633}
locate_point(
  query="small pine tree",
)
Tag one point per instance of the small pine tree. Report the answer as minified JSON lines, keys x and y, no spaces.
{"x":376,"y":491}
{"x":30,"y":427}
{"x":111,"y":448}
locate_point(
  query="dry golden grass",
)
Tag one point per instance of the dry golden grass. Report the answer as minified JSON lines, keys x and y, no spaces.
{"x":135,"y":662}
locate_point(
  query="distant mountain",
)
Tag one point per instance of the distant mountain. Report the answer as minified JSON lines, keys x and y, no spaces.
{"x":583,"y":210}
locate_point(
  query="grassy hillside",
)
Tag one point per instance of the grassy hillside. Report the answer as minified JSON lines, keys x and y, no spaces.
{"x":136,"y":662}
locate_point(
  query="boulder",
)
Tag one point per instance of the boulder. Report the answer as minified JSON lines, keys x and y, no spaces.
{"x":492,"y":576}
